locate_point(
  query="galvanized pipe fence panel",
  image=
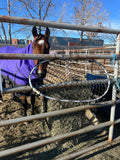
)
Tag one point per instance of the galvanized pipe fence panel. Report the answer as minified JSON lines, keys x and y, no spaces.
{"x":114,"y":92}
{"x":53,"y":86}
{"x":55,"y":113}
{"x":110,"y":123}
{"x":56,"y":56}
{"x":88,"y":150}
{"x":51,"y":139}
{"x":25,"y":21}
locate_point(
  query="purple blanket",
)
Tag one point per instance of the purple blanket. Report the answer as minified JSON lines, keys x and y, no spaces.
{"x":17,"y":70}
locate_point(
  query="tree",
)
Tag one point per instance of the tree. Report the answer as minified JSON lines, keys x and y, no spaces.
{"x":9,"y":25}
{"x":3,"y":27}
{"x":92,"y":35}
{"x":39,"y":9}
{"x":4,"y":32}
{"x":89,"y":13}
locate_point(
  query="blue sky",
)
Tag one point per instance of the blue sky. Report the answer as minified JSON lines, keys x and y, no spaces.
{"x":113,"y":7}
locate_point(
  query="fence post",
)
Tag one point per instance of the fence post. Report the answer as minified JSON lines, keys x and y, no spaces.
{"x":114,"y":91}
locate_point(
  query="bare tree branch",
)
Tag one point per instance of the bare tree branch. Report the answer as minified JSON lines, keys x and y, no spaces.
{"x":4,"y":33}
{"x":47,"y":8}
{"x":27,"y":8}
{"x":90,"y":13}
{"x":1,"y":37}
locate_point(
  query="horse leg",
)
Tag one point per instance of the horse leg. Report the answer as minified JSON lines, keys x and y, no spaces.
{"x":24,"y":103}
{"x":13,"y":94}
{"x":33,"y":102}
{"x":45,"y":110}
{"x":1,"y":99}
{"x":3,"y":83}
{"x":4,"y":86}
{"x":44,"y":104}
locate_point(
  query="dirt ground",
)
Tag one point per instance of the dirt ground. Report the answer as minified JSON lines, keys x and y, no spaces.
{"x":24,"y":133}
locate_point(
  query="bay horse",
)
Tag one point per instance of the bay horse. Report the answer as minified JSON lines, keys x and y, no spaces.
{"x":17,"y":71}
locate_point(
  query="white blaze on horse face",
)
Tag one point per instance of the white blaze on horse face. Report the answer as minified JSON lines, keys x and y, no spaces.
{"x":40,"y":42}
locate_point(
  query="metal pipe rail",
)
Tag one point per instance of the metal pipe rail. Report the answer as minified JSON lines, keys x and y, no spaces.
{"x":56,"y":138}
{"x":52,"y":139}
{"x":88,"y":150}
{"x":17,"y":89}
{"x":72,"y":84}
{"x":55,"y":113}
{"x":25,"y":21}
{"x":76,"y":56}
{"x":56,"y":85}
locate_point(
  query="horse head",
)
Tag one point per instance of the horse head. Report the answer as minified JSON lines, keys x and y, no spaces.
{"x":41,"y":45}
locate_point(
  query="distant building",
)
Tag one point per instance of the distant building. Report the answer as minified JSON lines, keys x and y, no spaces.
{"x":59,"y":42}
{"x":75,"y":41}
{"x":66,"y":42}
{"x":21,"y":42}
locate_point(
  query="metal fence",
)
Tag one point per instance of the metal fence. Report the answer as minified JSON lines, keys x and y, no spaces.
{"x":76,"y":56}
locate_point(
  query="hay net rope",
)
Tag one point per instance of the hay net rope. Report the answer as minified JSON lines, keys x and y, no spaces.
{"x":74,"y":80}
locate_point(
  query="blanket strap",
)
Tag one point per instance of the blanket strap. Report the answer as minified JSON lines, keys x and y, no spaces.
{"x":21,"y":72}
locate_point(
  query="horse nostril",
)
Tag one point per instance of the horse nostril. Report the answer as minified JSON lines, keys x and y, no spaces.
{"x":39,"y":71}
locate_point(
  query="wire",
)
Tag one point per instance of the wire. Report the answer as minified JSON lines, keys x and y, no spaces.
{"x":68,"y":100}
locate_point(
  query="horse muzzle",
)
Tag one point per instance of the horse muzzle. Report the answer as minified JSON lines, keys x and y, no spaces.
{"x":41,"y":74}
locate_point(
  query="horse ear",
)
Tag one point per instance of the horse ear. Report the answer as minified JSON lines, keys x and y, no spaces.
{"x":47,"y":32}
{"x":34,"y":31}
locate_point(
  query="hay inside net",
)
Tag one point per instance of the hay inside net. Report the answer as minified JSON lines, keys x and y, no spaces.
{"x":71,"y":80}
{"x":70,"y":72}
